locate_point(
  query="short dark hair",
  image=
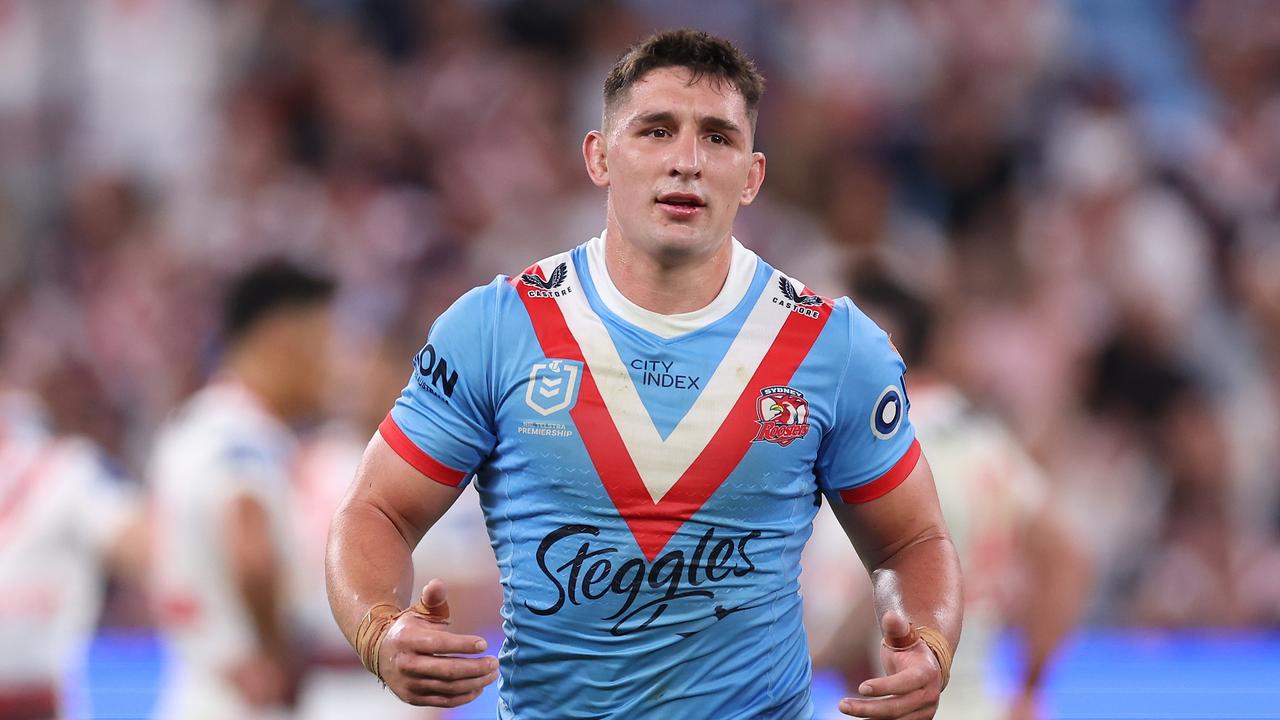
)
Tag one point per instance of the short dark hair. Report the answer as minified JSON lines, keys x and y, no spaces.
{"x":889,"y":302}
{"x":266,"y":289}
{"x":702,"y":54}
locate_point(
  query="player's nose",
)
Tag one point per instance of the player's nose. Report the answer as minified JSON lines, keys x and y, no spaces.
{"x":686,"y":160}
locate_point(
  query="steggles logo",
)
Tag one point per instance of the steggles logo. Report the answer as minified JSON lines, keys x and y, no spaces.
{"x":783,"y":414}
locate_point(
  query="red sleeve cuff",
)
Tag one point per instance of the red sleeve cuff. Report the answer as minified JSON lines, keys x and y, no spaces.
{"x":886,"y":482}
{"x":414,"y":455}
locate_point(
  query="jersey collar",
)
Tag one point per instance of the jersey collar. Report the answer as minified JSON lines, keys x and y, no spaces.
{"x":742,"y":269}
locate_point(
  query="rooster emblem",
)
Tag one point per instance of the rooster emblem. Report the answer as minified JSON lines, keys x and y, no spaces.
{"x":783,"y":414}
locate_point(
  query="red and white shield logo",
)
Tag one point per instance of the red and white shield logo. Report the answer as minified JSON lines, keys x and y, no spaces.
{"x":783,"y":414}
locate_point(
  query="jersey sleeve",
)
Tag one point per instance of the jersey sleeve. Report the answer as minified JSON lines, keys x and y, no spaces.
{"x":871,"y":447}
{"x":105,"y":500}
{"x":443,"y":422}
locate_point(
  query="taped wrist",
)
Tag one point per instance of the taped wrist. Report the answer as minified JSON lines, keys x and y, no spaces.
{"x":370,"y":633}
{"x":941,"y":650}
{"x":378,"y":620}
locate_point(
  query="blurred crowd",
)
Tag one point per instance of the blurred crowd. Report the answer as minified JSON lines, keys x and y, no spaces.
{"x":1086,"y":193}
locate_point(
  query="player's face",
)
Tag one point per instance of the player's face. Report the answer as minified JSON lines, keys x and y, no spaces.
{"x":677,"y":161}
{"x":306,"y":334}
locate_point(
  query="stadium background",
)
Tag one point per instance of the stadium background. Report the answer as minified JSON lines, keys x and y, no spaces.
{"x":1088,"y":192}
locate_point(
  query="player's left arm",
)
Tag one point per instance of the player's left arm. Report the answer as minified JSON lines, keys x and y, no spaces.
{"x":871,"y":467}
{"x":915,"y":573}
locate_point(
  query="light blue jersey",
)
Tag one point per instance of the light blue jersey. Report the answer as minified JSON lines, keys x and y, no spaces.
{"x":649,"y":481}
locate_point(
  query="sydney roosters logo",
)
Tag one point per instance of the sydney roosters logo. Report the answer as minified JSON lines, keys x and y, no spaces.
{"x":783,"y":414}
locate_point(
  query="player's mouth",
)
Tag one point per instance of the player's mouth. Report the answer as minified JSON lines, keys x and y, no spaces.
{"x":681,"y":205}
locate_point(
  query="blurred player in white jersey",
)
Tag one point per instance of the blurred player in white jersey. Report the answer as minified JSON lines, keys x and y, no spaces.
{"x":336,"y":686}
{"x":66,"y":520}
{"x":221,"y":479}
{"x":1021,"y":567}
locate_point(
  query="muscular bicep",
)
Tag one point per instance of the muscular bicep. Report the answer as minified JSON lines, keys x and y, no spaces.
{"x":387,"y":484}
{"x":904,"y":516}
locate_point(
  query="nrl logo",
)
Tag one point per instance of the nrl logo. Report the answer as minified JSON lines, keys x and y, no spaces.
{"x":548,"y":287}
{"x":783,"y":414}
{"x":796,"y":302}
{"x":552,"y":386}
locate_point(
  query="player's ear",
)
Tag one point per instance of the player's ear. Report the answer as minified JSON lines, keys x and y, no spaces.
{"x":595,"y":154}
{"x":755,"y":178}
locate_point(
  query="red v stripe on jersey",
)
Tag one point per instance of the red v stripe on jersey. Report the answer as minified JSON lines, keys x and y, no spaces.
{"x":653,"y":523}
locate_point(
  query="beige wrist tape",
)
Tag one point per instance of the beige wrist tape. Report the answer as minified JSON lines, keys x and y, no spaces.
{"x":372,"y":629}
{"x":936,"y":643}
{"x":940,"y":647}
{"x":378,"y":619}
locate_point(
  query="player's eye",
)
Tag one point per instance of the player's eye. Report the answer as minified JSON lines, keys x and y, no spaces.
{"x":659,"y":133}
{"x":718,"y":139}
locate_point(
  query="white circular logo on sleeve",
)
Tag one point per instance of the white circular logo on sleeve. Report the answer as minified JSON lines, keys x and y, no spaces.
{"x":886,"y":417}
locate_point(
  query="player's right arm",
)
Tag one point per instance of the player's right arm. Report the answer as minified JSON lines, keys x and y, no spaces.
{"x":439,"y":432}
{"x":387,"y":510}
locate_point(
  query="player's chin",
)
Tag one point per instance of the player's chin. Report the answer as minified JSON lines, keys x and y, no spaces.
{"x":678,"y":234}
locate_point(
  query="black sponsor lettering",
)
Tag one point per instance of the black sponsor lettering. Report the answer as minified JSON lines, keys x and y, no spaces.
{"x":435,"y":370}
{"x":742,"y":553}
{"x":591,"y":577}
{"x":584,"y":552}
{"x":800,"y":309}
{"x":620,"y":585}
{"x":658,"y":373}
{"x":698,"y":549}
{"x":720,"y":555}
{"x":552,"y":538}
{"x":679,"y":382}
{"x":549,"y":293}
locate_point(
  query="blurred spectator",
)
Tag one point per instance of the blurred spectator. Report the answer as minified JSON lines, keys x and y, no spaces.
{"x":336,"y":686}
{"x":68,"y":521}
{"x":221,"y":481}
{"x":1022,"y":566}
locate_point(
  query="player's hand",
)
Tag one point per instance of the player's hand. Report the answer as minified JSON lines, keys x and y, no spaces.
{"x":913,"y":685}
{"x":1025,"y":707}
{"x":261,"y":680}
{"x":419,"y":657}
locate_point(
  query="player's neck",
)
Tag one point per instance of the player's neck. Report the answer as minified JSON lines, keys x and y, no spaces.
{"x":257,"y":375}
{"x":664,"y":285}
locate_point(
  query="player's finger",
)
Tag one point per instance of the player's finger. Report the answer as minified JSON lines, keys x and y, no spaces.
{"x":898,"y":633}
{"x":441,"y":700}
{"x":433,"y":606}
{"x":451,"y":688}
{"x":899,"y":683}
{"x":429,"y":641}
{"x":897,"y":707}
{"x":448,"y":669}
